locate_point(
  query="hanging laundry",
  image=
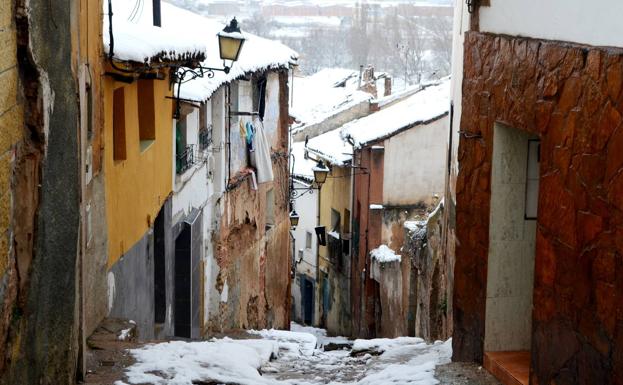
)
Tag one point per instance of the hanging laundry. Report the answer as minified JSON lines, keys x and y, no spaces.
{"x":260,"y":158}
{"x":250,"y":129}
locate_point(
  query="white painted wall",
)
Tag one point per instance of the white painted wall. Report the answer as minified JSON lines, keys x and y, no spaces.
{"x":510,"y":272}
{"x":190,"y":189}
{"x":587,"y":22}
{"x":461,"y":25}
{"x":271,"y":113}
{"x":307,"y":208}
{"x":414,"y":164}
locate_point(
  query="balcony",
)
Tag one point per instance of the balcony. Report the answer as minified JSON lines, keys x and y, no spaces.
{"x":205,"y":137}
{"x":185,"y":160}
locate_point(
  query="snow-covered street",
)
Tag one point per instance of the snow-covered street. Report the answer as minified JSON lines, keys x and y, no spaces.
{"x":304,"y":356}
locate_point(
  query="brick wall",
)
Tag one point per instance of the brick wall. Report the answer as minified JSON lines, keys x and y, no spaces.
{"x":571,"y":97}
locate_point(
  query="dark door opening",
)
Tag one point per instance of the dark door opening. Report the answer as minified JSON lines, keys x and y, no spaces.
{"x":160,"y":287}
{"x":182,"y":313}
{"x":308,"y":302}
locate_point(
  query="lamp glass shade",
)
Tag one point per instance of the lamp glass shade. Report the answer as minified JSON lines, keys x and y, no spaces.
{"x":320,"y":173}
{"x":230,"y":45}
{"x":294,"y":219}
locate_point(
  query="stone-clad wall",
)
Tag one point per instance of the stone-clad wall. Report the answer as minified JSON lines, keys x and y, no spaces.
{"x":11,"y":125}
{"x":571,"y":96}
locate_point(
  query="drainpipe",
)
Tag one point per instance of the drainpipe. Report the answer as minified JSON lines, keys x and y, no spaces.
{"x":157,"y":10}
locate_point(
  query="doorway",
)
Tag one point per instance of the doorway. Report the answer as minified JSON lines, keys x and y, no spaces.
{"x":308,"y":301}
{"x":512,"y":237}
{"x":160,"y":285}
{"x":182,"y":303}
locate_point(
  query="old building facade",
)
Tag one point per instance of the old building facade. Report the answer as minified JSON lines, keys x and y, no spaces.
{"x":538,"y":206}
{"x":393,"y":284}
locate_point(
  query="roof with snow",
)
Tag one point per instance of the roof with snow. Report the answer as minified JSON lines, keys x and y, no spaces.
{"x":136,"y":39}
{"x":429,"y":104}
{"x":324,"y":94}
{"x":303,"y":168}
{"x":331,"y":147}
{"x":257,"y":54}
{"x":384,"y":254}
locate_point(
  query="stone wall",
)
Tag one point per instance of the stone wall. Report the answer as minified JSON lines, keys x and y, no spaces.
{"x":570,"y":96}
{"x":11,"y":126}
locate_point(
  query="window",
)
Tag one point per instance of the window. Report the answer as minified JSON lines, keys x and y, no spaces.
{"x":205,"y":129}
{"x":259,"y":95}
{"x":346,"y":221}
{"x":308,"y":240}
{"x":146,"y":113}
{"x":270,"y":209}
{"x":532,"y":179}
{"x":300,"y":256}
{"x":118,"y":123}
{"x":184,"y":155}
{"x":335,"y":221}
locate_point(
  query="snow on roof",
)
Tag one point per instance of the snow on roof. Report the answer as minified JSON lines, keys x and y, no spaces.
{"x":384,"y":254}
{"x":331,"y":147}
{"x":303,"y":168}
{"x":324,"y":94}
{"x":136,"y":39}
{"x":428,"y":104}
{"x":257,"y":53}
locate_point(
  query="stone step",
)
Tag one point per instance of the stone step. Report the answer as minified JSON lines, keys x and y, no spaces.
{"x":510,"y":368}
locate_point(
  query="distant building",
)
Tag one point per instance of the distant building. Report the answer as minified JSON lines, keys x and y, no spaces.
{"x":400,"y":158}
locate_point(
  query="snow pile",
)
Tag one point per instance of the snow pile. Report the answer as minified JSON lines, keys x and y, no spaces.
{"x":324,"y":94}
{"x":304,"y":343}
{"x":426,"y":105}
{"x":417,"y":229}
{"x":136,"y":39}
{"x":376,"y":207}
{"x":418,"y":367}
{"x":185,"y":363}
{"x":403,"y":360}
{"x":384,"y":254}
{"x":320,"y":334}
{"x":331,"y":147}
{"x":381,"y":345}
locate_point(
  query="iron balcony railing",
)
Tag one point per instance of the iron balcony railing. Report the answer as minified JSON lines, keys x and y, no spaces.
{"x":205,"y":137}
{"x":185,"y":160}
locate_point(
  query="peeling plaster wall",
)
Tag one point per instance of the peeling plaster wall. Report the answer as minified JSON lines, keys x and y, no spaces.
{"x":251,"y":262}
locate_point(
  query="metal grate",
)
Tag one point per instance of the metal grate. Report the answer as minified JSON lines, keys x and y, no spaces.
{"x":205,"y":137}
{"x":185,"y":160}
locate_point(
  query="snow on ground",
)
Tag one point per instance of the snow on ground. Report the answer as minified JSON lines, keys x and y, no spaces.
{"x":289,"y":358}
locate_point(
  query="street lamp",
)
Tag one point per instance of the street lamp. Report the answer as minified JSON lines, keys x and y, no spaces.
{"x":320,"y":173}
{"x":230,"y":41}
{"x":294,"y":219}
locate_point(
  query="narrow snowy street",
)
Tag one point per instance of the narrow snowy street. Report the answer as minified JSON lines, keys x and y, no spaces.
{"x":304,"y":356}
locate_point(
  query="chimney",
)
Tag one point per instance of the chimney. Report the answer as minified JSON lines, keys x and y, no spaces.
{"x":360,"y":75}
{"x":157,"y":14}
{"x":388,"y":86}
